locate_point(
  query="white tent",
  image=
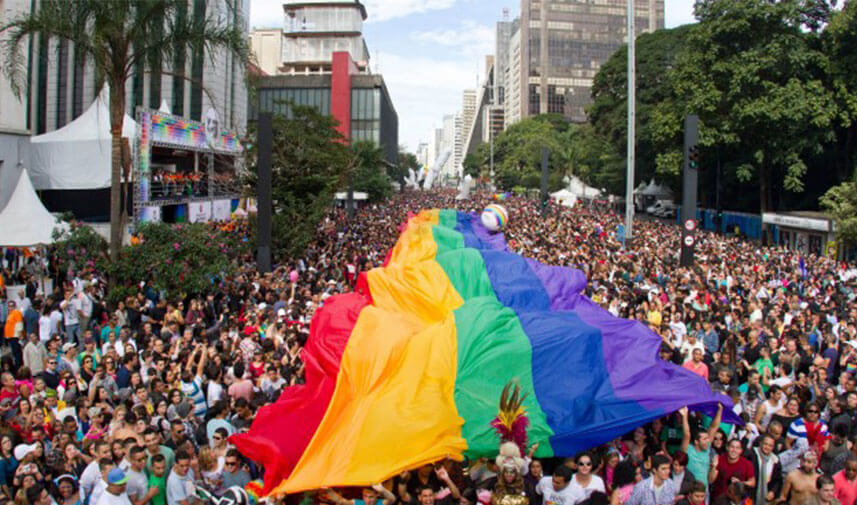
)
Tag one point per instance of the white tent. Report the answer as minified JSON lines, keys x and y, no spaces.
{"x":24,"y":221}
{"x":657,"y":191}
{"x":581,"y":190}
{"x":565,"y":198}
{"x":77,"y":156}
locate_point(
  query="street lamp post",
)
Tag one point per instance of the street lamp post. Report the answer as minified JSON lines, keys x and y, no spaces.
{"x":629,"y":183}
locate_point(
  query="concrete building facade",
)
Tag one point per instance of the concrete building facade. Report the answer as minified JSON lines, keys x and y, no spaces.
{"x":315,"y":29}
{"x":266,"y":45}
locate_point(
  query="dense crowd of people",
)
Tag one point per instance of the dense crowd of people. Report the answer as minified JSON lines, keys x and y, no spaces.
{"x":133,"y":404}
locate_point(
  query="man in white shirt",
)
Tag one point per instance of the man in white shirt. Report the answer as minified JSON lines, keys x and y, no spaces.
{"x":115,"y":491}
{"x":106,"y":466}
{"x":689,"y":345}
{"x":91,"y":474}
{"x":45,"y":328}
{"x":555,"y":490}
{"x":71,"y":317}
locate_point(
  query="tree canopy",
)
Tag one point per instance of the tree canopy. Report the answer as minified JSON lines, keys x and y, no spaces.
{"x":310,"y":161}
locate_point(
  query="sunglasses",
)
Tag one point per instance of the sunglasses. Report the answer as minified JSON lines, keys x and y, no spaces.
{"x":231,"y":463}
{"x":812,"y":412}
{"x":585,"y":463}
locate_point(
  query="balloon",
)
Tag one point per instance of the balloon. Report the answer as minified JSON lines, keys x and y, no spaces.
{"x":494,"y":217}
{"x":293,"y":276}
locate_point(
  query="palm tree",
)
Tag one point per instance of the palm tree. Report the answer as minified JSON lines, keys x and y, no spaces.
{"x":118,"y":36}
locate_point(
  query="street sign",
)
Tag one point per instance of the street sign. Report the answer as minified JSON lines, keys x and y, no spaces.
{"x":690,"y":225}
{"x":688,"y":240}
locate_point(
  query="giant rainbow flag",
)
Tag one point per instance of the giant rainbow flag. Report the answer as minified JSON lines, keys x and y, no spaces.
{"x":409,"y":369}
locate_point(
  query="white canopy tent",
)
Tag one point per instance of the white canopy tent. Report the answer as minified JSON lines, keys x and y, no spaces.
{"x":565,"y":198}
{"x":77,"y":156}
{"x":24,"y":221}
{"x":581,"y":190}
{"x":657,"y":191}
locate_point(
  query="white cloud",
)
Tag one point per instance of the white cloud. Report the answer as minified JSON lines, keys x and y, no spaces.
{"x":266,"y":13}
{"x":423,"y":90}
{"x":469,"y":38}
{"x":269,"y":13}
{"x":678,"y":12}
{"x":383,"y":10}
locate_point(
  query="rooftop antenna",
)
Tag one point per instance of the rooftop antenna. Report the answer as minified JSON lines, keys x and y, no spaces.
{"x":505,"y":14}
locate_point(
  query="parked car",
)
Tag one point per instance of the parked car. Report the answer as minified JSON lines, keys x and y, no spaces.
{"x":654,"y":208}
{"x":668,"y":209}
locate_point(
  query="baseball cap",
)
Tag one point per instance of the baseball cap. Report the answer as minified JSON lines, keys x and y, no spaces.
{"x":21,"y":450}
{"x":67,"y":346}
{"x":116,"y":477}
{"x":281,"y":313}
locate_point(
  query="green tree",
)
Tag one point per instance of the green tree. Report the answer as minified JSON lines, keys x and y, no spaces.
{"x":472,"y":164}
{"x":656,"y":54}
{"x":116,"y":37}
{"x":841,"y":203}
{"x":840,"y":44}
{"x":310,"y":160}
{"x":752,"y":72}
{"x":369,"y":174}
{"x":179,"y":259}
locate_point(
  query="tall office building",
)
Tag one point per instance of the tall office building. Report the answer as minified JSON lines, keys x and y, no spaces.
{"x":513,"y":99}
{"x":560,"y":46}
{"x":448,"y":142}
{"x":468,"y":110}
{"x":501,"y":57}
{"x":315,"y":29}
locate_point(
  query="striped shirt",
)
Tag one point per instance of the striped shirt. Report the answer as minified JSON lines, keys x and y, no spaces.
{"x":798,"y":430}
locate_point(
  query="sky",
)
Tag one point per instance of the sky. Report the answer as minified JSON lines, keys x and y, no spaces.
{"x":429,"y":51}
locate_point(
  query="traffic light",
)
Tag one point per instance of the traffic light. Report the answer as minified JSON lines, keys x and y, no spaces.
{"x":693,"y":157}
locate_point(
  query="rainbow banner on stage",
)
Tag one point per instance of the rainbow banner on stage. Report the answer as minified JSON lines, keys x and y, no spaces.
{"x":409,"y":369}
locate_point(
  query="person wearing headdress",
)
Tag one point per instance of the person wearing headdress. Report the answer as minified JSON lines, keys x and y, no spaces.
{"x":511,"y":424}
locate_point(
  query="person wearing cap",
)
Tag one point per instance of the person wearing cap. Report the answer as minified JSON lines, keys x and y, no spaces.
{"x":26,"y":455}
{"x":68,"y":359}
{"x":115,"y":492}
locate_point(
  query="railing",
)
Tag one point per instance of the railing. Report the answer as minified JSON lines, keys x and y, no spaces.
{"x":179,"y":186}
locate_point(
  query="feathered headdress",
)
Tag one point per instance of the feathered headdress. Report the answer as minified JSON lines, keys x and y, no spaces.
{"x":511,"y":422}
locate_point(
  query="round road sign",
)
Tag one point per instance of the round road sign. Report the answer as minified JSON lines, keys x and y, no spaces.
{"x":690,"y":225}
{"x":688,"y":240}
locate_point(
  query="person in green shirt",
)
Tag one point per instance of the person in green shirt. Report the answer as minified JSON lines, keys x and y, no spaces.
{"x":764,"y":362}
{"x":157,"y":478}
{"x":671,"y":435}
{"x":700,"y":462}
